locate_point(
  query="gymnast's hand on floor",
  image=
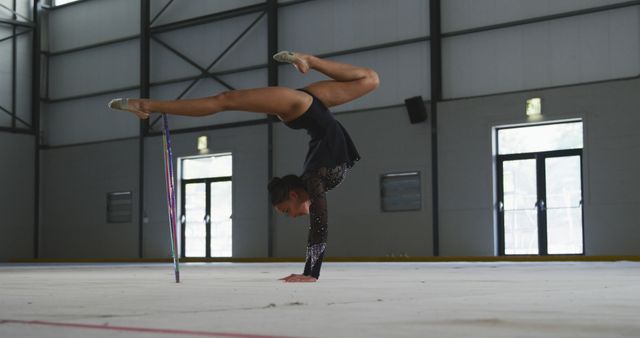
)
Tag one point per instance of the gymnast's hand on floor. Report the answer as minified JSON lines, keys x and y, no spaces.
{"x":294,"y":278}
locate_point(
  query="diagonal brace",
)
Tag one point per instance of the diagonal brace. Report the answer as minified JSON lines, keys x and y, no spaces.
{"x":214,"y":62}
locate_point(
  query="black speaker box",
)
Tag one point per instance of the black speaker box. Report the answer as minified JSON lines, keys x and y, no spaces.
{"x":416,"y":108}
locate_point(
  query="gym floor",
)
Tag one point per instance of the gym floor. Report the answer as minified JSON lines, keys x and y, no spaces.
{"x":242,"y":300}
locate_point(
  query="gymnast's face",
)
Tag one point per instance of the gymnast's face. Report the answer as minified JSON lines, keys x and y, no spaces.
{"x":296,"y":205}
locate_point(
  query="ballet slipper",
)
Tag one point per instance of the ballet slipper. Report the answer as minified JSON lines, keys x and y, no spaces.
{"x":292,"y":58}
{"x":123,"y":104}
{"x":120,"y":104}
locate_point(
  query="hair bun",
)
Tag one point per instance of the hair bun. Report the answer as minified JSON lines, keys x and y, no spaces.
{"x":274,"y":183}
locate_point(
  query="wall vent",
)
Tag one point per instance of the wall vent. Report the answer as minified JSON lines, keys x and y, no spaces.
{"x":119,"y":207}
{"x":401,"y":191}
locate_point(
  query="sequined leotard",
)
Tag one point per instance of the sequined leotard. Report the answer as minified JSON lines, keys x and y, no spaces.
{"x":331,"y":153}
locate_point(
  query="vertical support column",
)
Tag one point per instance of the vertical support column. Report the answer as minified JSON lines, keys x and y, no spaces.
{"x":272,"y":48}
{"x":14,"y":64}
{"x":435,"y":39}
{"x":35,"y":122}
{"x":145,"y":36}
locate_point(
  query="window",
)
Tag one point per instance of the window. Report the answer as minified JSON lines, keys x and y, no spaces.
{"x":545,"y":137}
{"x":62,"y":2}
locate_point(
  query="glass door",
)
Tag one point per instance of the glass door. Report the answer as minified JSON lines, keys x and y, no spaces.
{"x":519,"y":207}
{"x":193,"y":220}
{"x":221,"y":225}
{"x":540,"y":203}
{"x":206,"y":206}
{"x":564,"y":205}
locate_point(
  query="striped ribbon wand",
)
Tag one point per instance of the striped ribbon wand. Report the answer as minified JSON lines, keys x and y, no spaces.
{"x":171,"y":195}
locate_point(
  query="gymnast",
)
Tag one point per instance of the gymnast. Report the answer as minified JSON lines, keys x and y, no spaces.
{"x":331,"y":151}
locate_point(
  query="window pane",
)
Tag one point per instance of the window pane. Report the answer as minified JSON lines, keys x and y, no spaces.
{"x":520,"y":213}
{"x":564,"y":231}
{"x":563,"y":182}
{"x":521,"y":232}
{"x":519,"y":184}
{"x":209,"y":166}
{"x":221,"y":225}
{"x":564,"y":210}
{"x":540,"y":138}
{"x":62,"y":2}
{"x":195,"y":229}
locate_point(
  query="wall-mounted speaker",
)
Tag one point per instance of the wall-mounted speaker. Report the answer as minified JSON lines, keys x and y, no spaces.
{"x":416,"y":109}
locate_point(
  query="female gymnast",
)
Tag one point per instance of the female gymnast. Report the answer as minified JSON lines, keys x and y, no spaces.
{"x":331,"y":152}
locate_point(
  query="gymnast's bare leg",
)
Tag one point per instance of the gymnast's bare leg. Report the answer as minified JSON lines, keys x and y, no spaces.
{"x":347,"y":83}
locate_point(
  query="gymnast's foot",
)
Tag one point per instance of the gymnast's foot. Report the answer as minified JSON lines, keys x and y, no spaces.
{"x":130,"y":105}
{"x":298,"y":60}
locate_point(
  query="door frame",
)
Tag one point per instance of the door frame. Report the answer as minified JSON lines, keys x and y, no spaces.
{"x":540,"y":158}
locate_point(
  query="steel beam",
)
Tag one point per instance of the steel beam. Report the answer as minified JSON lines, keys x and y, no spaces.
{"x":16,"y":35}
{"x":14,"y":117}
{"x":145,"y":42}
{"x":212,"y":127}
{"x":91,"y":46}
{"x":14,"y":69}
{"x":160,"y":12}
{"x":272,"y":48}
{"x":209,"y":18}
{"x":542,"y":18}
{"x":35,"y":121}
{"x":17,"y":23}
{"x":436,"y":95}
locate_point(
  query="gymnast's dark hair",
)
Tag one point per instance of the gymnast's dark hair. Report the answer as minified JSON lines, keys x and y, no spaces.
{"x":279,"y":187}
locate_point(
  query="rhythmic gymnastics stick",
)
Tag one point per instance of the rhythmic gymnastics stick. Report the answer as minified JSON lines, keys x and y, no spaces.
{"x":171,"y":196}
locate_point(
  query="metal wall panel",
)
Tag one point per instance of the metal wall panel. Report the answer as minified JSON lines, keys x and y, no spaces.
{"x":87,"y":120}
{"x":16,"y":196}
{"x":6,"y":66}
{"x":403,"y":71}
{"x":92,"y":21}
{"x":573,"y":50}
{"x":5,"y":119}
{"x":94,"y":70}
{"x":185,"y":9}
{"x":464,"y":14}
{"x":327,"y":26}
{"x":204,"y":43}
{"x":24,"y":8}
{"x":23,"y":79}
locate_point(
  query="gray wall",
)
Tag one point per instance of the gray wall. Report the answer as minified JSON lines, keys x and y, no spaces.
{"x":95,"y":150}
{"x":611,"y":148}
{"x":16,"y":196}
{"x":75,"y":183}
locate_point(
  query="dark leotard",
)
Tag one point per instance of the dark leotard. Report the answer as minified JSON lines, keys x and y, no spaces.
{"x":331,"y":153}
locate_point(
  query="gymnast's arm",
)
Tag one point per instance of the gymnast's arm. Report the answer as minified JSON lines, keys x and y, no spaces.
{"x":318,"y":232}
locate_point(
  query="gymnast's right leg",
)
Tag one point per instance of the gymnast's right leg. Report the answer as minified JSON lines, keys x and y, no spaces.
{"x":286,"y":103}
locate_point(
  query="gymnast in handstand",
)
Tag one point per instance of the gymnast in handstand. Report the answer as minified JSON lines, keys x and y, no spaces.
{"x":331,"y":151}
